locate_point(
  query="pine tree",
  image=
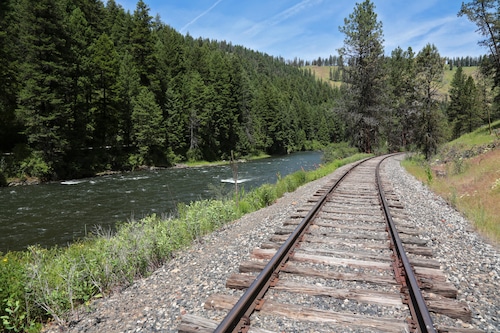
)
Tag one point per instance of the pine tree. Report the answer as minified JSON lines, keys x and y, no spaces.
{"x":148,"y":132}
{"x":142,"y":42}
{"x":463,"y":110}
{"x":243,"y":93}
{"x":44,"y":98}
{"x":485,"y":14}
{"x":9,"y":127}
{"x":484,"y":84}
{"x":432,"y":123}
{"x":118,"y":24}
{"x":400,"y":115}
{"x":93,"y":11}
{"x":105,"y":67}
{"x":471,"y":117}
{"x":80,"y":74}
{"x":176,"y":123}
{"x":128,"y":87}
{"x":193,"y":115}
{"x":363,"y":52}
{"x":455,"y":108}
{"x":336,"y":75}
{"x":220,"y":128}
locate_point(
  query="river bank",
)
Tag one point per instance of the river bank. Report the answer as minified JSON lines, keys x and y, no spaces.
{"x":62,"y":280}
{"x":58,"y":213}
{"x":181,"y":285}
{"x":28,"y":180}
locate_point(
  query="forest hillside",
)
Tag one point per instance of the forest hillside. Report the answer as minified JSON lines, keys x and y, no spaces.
{"x":88,"y":87}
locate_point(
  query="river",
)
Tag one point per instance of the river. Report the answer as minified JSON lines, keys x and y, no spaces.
{"x":60,"y":212}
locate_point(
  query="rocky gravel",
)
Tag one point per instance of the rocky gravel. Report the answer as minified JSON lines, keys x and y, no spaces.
{"x":156,"y":303}
{"x":470,"y":262}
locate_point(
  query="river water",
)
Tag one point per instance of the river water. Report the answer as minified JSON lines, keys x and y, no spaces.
{"x":61,"y":212}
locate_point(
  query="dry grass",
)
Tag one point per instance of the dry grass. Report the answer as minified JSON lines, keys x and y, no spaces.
{"x":476,"y":192}
{"x":448,"y":76}
{"x":473,"y":188}
{"x":466,"y":172}
{"x":323,"y":73}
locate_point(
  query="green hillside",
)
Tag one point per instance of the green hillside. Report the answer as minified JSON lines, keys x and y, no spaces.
{"x":448,"y":76}
{"x":108,"y":89}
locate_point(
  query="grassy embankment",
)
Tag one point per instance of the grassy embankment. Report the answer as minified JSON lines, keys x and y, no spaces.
{"x":466,"y":172}
{"x":40,"y":285}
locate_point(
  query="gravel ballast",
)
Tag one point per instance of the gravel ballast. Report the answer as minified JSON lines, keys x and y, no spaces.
{"x":156,"y":303}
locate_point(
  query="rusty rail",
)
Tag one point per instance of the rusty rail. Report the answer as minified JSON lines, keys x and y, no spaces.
{"x":417,"y":305}
{"x":238,"y":318}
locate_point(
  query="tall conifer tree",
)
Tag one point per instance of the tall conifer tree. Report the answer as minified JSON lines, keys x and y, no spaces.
{"x":43,"y":99}
{"x":8,"y":83}
{"x":363,"y":53}
{"x":485,"y":14}
{"x":148,"y":131}
{"x":432,"y":123}
{"x":142,"y":43}
{"x":105,"y":67}
{"x":401,"y":115}
{"x":455,"y":108}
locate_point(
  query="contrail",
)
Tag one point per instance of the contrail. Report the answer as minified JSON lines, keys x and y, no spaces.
{"x":201,"y":15}
{"x":294,"y":10}
{"x":282,"y":16}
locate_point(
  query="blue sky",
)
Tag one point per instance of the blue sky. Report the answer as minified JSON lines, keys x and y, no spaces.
{"x":309,"y":29}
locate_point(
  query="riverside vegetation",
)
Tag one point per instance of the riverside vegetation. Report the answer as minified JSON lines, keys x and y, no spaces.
{"x":466,"y":173}
{"x":40,"y":285}
{"x":128,"y":91}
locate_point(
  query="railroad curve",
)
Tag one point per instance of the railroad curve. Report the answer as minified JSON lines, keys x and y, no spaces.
{"x":334,"y":263}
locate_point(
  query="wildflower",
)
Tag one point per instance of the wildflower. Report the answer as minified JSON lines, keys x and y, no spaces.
{"x":4,"y":260}
{"x":496,"y":184}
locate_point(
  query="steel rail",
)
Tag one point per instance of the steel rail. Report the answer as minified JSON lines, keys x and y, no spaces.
{"x":237,"y":320}
{"x":418,"y":307}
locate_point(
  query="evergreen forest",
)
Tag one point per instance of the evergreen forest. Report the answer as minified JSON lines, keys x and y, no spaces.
{"x":86,"y":86}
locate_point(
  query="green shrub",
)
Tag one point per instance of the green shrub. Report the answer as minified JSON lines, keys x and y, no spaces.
{"x":244,"y":207}
{"x":459,"y":165}
{"x":290,"y":183}
{"x":194,"y":155}
{"x":16,"y":313}
{"x":35,"y":166}
{"x":263,"y":196}
{"x":135,"y":161}
{"x":338,"y":151}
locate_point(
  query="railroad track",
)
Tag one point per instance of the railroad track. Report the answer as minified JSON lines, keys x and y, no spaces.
{"x":346,"y":261}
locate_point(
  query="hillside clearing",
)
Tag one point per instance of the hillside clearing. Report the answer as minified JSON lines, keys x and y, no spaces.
{"x":323,"y":73}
